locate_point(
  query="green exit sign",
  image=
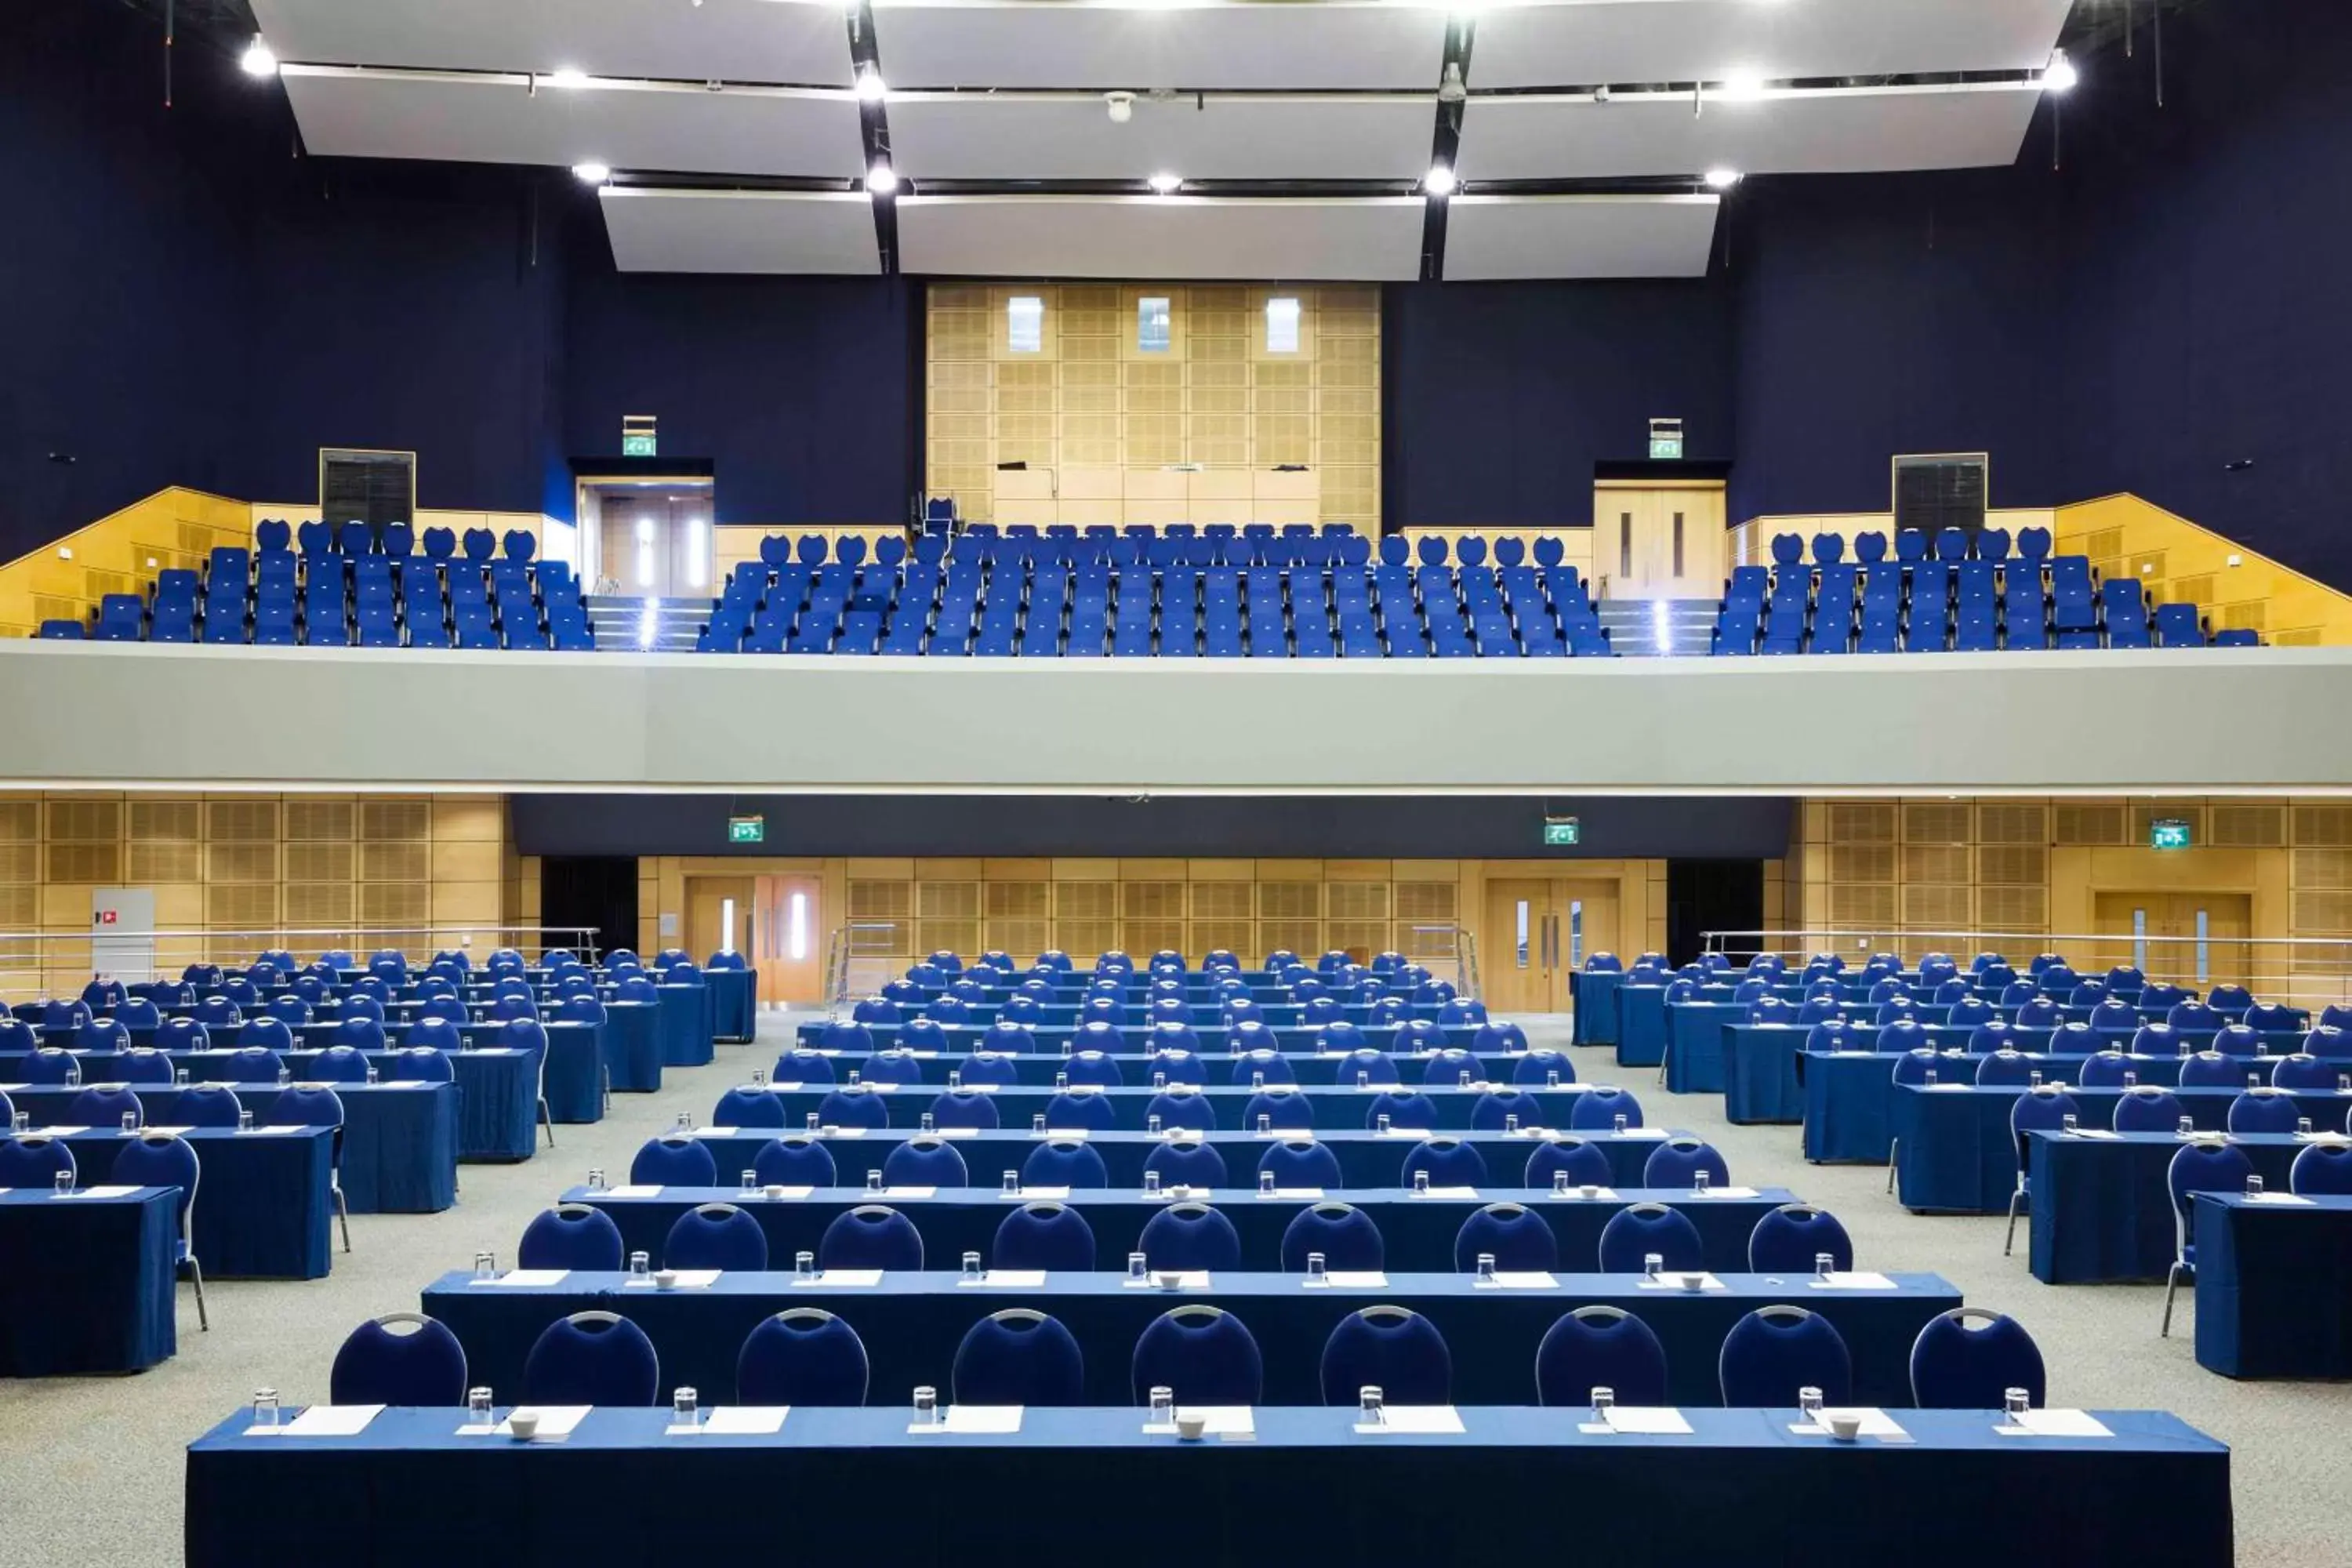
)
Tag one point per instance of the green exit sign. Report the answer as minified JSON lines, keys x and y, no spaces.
{"x":1561,"y":830}
{"x":1665,"y":448}
{"x":747,"y":830}
{"x":2167,"y":833}
{"x":638,"y":447}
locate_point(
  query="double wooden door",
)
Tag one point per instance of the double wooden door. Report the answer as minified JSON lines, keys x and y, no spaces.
{"x":1538,"y":933}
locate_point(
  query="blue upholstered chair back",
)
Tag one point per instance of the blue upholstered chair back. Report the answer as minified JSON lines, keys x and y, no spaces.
{"x":423,"y":1366}
{"x":1775,"y":1351}
{"x":592,"y":1358}
{"x":1019,"y":1356}
{"x":803,"y":1356}
{"x":1968,"y":1358}
{"x":1600,"y":1347}
{"x":1391,"y":1348}
{"x":571,"y":1235}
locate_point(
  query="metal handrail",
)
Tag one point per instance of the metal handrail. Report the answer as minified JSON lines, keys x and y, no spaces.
{"x":56,"y":955}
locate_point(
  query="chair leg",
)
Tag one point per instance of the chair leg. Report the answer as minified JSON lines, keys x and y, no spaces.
{"x":1894,"y":1148}
{"x":2171,"y":1280}
{"x":547,"y":1120}
{"x":2009,"y":1242}
{"x":608,"y":1090}
{"x":196,"y":1272}
{"x":343,"y":1214}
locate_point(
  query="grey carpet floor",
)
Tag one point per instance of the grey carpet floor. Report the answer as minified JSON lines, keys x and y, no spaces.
{"x":90,"y":1468}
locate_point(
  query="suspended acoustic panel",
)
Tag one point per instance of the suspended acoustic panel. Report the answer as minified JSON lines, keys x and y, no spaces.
{"x":740,"y":231}
{"x":1177,"y":238}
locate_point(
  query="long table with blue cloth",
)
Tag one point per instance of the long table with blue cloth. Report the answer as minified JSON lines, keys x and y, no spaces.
{"x":498,"y":1087}
{"x":2273,"y":1284}
{"x":2100,"y":1209}
{"x":856,"y":1486}
{"x":399,"y":1139}
{"x":87,"y":1280}
{"x":911,"y":1323}
{"x":1210,"y":1036}
{"x":1417,"y":1233}
{"x":1217,"y":1106}
{"x":1849,"y":1096}
{"x":1956,"y":1154}
{"x":262,"y":1208}
{"x":1199,"y":1069}
{"x":1366,"y":1159}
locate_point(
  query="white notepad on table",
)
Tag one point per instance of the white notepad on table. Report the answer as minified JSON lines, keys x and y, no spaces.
{"x":688,"y":1280}
{"x":975,"y":1418}
{"x":745,"y":1420}
{"x":1414,"y":1418}
{"x":911,"y":1192}
{"x":1656,"y":1420}
{"x":712,"y":1132}
{"x":1066,"y":1134}
{"x":69,"y":1131}
{"x":1679,"y":1280}
{"x":1310,"y":1194}
{"x":554,"y":1421}
{"x":1459,"y":1194}
{"x":1217,"y":1420}
{"x":324,"y":1421}
{"x":1863,"y":1281}
{"x":953,"y":1132}
{"x":1007,"y":1279}
{"x":1524,"y":1279}
{"x":845,"y":1278}
{"x":2099,"y":1133}
{"x":1356,"y":1279}
{"x":172,"y":1131}
{"x":526,"y":1279}
{"x":2286,"y":1199}
{"x":99,"y":1193}
{"x":1415,"y":1133}
{"x":1725,"y":1192}
{"x":1875,"y":1424}
{"x":2057,"y":1424}
{"x":1041,"y":1194}
{"x":645,"y":1192}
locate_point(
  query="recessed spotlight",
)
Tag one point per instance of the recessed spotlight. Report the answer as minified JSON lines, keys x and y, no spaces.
{"x":881,"y":179}
{"x":256,"y":59}
{"x":1439,"y":181}
{"x":593,"y":174}
{"x":2058,"y":75}
{"x":1741,"y":87}
{"x":1722,"y":179}
{"x":1166,"y":184}
{"x":567,"y":76}
{"x":870,"y":85}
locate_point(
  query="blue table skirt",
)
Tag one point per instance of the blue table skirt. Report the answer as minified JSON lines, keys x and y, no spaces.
{"x":685,"y":1026}
{"x":86,"y":1283}
{"x":2101,"y":1210}
{"x":1759,"y":1074}
{"x":1213,"y":1069}
{"x":633,"y":1047}
{"x":1595,"y":994}
{"x":1418,"y":1234}
{"x":261,"y":1209}
{"x":1050,"y":1040}
{"x":1957,"y":1155}
{"x":574,"y":1085}
{"x":400,"y":1140}
{"x":1640,"y":1026}
{"x":1325,"y":1106}
{"x":911,"y":1324}
{"x":1694,"y":1045}
{"x":2274,"y":1287}
{"x":851,"y":1485}
{"x":734,"y":1004}
{"x":1366,"y":1159}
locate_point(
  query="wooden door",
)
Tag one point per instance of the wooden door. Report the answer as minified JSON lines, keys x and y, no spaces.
{"x":792,"y":933}
{"x":1588,"y":922}
{"x":1539,"y":930}
{"x":719,"y":916}
{"x":2202,"y":937}
{"x":1659,"y":541}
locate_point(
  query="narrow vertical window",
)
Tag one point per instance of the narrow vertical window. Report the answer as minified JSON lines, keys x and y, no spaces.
{"x":1024,"y":322}
{"x":1282,"y":325}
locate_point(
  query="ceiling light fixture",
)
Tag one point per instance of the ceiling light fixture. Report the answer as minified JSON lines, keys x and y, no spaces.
{"x":2059,"y":75}
{"x":256,"y":59}
{"x":1439,"y":181}
{"x":567,"y":76}
{"x":1722,"y":179}
{"x":870,"y":86}
{"x":1741,"y":87}
{"x":1166,"y":184}
{"x":593,"y":174}
{"x":881,"y":179}
{"x":1120,"y":106}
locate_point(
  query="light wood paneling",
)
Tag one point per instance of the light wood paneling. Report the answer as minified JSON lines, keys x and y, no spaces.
{"x":1101,"y":424}
{"x":174,"y":528}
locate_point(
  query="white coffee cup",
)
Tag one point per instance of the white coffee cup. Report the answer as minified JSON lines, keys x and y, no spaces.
{"x":1588,"y":1190}
{"x":1694,"y":1281}
{"x":524,"y":1424}
{"x":1190,"y":1427}
{"x":1168,"y":1279}
{"x":665,"y":1278}
{"x":1845,"y":1428}
{"x":773,"y":1191}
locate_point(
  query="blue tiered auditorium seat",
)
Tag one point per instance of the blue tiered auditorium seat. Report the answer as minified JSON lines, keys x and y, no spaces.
{"x":1941,"y":595}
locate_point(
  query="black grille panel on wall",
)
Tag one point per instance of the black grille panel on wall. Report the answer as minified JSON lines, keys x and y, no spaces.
{"x":1946,"y":490}
{"x":373,"y":487}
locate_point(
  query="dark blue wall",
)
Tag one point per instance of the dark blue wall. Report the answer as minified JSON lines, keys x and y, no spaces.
{"x":1501,"y":396}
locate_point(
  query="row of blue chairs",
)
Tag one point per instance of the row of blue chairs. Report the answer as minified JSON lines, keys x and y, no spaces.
{"x":395,"y":539}
{"x":1189,"y":1235}
{"x":1965,"y":1359}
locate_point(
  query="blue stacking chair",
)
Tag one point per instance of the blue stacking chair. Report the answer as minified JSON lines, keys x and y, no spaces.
{"x":801,"y":1356}
{"x":1393,"y":1349}
{"x":854,"y":1105}
{"x":1186,"y":1108}
{"x":105,"y":1105}
{"x":1637,"y":1230}
{"x":871,"y":1236}
{"x":166,"y":1160}
{"x":1449,"y":1161}
{"x":423,"y":1367}
{"x":1968,"y":1358}
{"x":795,"y":1161}
{"x":1049,"y":1235}
{"x":1203,"y":1355}
{"x":716,"y":1235}
{"x":1189,"y":1164}
{"x":2301,"y":1070}
{"x":925,"y":1162}
{"x":1301,"y":1162}
{"x":1600,"y":1347}
{"x":1065,"y":1163}
{"x":674,"y":1161}
{"x":1518,"y":1238}
{"x":1788,"y":1240}
{"x":1093,"y":1112}
{"x":2108,"y":1069}
{"x":2263,"y":1110}
{"x":963,"y":1108}
{"x":1676,"y":1162}
{"x":1348,"y":1237}
{"x":341,"y":1064}
{"x":1583,"y":1163}
{"x":1191,"y":1236}
{"x":2322,"y":1169}
{"x":592,"y":1358}
{"x":1775,"y":1351}
{"x":2041,"y":1109}
{"x":145,"y":1064}
{"x":1018,"y":1356}
{"x":1597,"y":1109}
{"x":748,"y":1108}
{"x":2197,"y":1168}
{"x":571,"y":1235}
{"x":2147,"y":1109}
{"x":421,"y":1064}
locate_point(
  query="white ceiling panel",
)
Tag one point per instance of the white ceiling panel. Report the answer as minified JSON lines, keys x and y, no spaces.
{"x":802,"y":41}
{"x":1174,"y":238}
{"x":1578,"y":237}
{"x":1146,"y":44}
{"x":1021,"y":136}
{"x":740,"y":231}
{"x":1849,"y":131}
{"x":1578,"y":43}
{"x":498,"y":120}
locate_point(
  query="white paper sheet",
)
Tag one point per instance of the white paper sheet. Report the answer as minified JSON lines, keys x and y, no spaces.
{"x":785,"y":1195}
{"x":554,"y":1421}
{"x":953,"y":1132}
{"x":99,"y":1193}
{"x":1947,"y":1088}
{"x":980,"y":1089}
{"x":1415,"y":1133}
{"x":2286,"y":1199}
{"x":264,"y":1132}
{"x":1041,"y":1194}
{"x":1219,"y":1420}
{"x":172,"y":1131}
{"x":653,"y":1192}
{"x":326,"y":1421}
{"x":1411,"y":1418}
{"x":1459,"y":1194}
{"x":688,"y":1280}
{"x":712,"y":1132}
{"x":1066,"y":1134}
{"x":841,"y":1133}
{"x":1007,"y":1279}
{"x":781,"y":1086}
{"x":1662,"y":1420}
{"x":746,"y":1420}
{"x":847,"y":1279}
{"x":491,"y":1051}
{"x":69,"y":1132}
{"x":1728,"y":1193}
{"x":1875,"y":1424}
{"x":1309,"y":1195}
{"x":1678,"y":1282}
{"x":527,"y":1278}
{"x":1358,"y":1279}
{"x":1290,"y":1134}
{"x":1860,"y":1280}
{"x":1524,"y":1279}
{"x":911,"y":1192}
{"x":983,"y":1417}
{"x":2098,"y":1135}
{"x":2063,"y":1424}
{"x":1638,"y":1132}
{"x":1600,"y":1195}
